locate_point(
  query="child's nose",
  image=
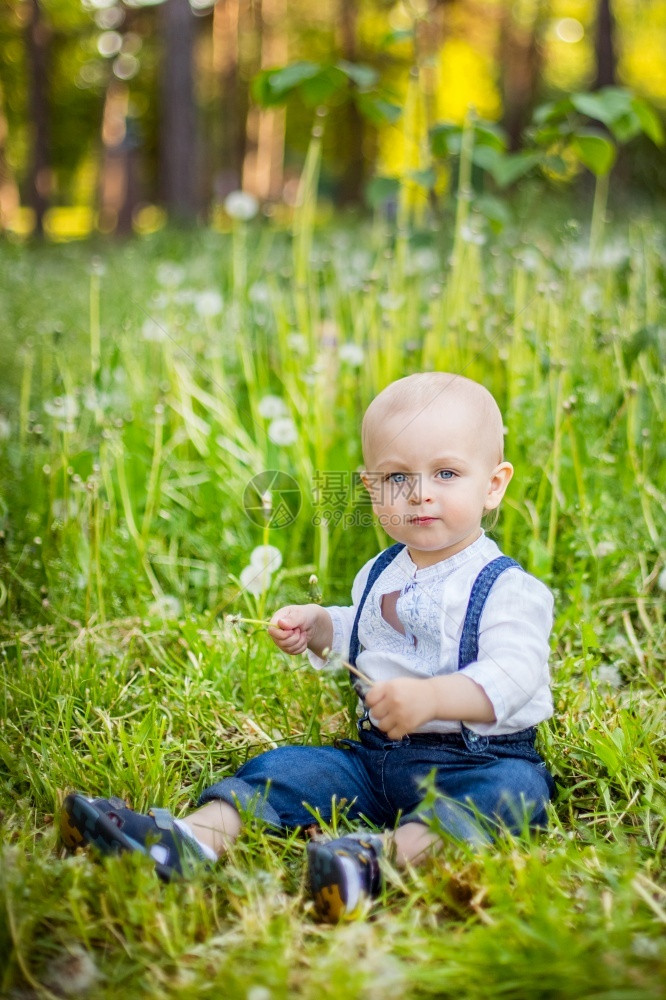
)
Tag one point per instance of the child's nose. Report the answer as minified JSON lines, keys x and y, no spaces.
{"x":419,"y":492}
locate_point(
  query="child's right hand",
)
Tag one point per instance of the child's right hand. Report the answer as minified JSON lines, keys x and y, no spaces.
{"x":296,"y":627}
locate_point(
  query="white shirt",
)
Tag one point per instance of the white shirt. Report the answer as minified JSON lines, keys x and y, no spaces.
{"x":514,"y":630}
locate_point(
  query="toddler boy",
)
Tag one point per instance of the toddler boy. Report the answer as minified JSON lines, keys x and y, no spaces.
{"x":453,"y":640}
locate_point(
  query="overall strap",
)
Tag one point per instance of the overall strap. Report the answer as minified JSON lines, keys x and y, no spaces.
{"x":378,"y":566}
{"x":469,"y":641}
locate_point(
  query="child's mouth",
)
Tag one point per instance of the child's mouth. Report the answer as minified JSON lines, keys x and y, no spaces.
{"x":422,"y":520}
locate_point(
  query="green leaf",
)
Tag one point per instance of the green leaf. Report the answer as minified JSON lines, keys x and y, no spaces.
{"x":381,"y":189}
{"x":650,"y":121}
{"x":489,"y":134}
{"x":399,"y":35}
{"x":376,"y":109}
{"x":494,"y":211}
{"x":330,"y":82}
{"x":486,"y":157}
{"x":426,"y":178}
{"x":626,"y":127}
{"x":275,"y":85}
{"x":588,"y":637}
{"x":363,"y":76}
{"x":595,"y":151}
{"x":442,"y":136}
{"x":553,"y":111}
{"x":606,"y":105}
{"x":512,"y":166}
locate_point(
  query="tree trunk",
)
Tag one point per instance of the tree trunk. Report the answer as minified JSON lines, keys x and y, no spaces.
{"x":521,"y":60}
{"x":604,"y":46}
{"x":39,"y":177}
{"x":227,"y":23}
{"x":353,"y":178}
{"x":265,"y":127}
{"x":9,"y":198}
{"x":178,"y":153}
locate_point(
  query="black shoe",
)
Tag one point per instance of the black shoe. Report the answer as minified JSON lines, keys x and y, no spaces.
{"x":112,"y":827}
{"x":344,"y":875}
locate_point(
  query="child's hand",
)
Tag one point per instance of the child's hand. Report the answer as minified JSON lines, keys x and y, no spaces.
{"x":402,"y":705}
{"x":299,"y":626}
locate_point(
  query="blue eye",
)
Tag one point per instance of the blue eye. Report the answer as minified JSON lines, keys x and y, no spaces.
{"x":446,"y":474}
{"x":397,"y":477}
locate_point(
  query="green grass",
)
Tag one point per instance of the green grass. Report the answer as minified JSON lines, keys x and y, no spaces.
{"x":124,"y":537}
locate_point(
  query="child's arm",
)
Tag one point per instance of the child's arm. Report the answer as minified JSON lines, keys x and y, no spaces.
{"x":403,"y":705}
{"x":298,"y":627}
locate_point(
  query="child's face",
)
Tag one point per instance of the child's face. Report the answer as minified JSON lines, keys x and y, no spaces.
{"x":431,"y":475}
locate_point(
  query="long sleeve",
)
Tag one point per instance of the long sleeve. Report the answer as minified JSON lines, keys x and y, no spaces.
{"x":343,"y":619}
{"x":512,"y":665}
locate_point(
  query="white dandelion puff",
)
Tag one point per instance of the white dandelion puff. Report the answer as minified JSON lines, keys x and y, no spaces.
{"x":260,"y":293}
{"x":298,"y":343}
{"x":169,"y":274}
{"x":266,"y":557}
{"x":352,"y":354}
{"x":255,"y":579}
{"x":271,"y":407}
{"x":64,"y":408}
{"x":166,"y":606}
{"x":608,"y":675}
{"x":661,"y":582}
{"x":209,"y":303}
{"x":241,"y":205}
{"x":282,"y":431}
{"x":5,"y":428}
{"x":152,"y":331}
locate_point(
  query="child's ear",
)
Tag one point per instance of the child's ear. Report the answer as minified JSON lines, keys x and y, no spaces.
{"x":499,"y":480}
{"x":369,"y":480}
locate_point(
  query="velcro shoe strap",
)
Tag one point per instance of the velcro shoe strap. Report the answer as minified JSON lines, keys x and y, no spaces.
{"x":163,"y":818}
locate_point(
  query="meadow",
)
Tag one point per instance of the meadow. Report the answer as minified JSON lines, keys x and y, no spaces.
{"x":145,"y":386}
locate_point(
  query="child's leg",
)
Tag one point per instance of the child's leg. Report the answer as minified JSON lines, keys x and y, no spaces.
{"x":216,"y":824}
{"x":411,"y":843}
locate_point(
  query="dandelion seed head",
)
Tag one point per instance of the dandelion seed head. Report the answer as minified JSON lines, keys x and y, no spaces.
{"x":255,"y":579}
{"x":170,"y":274}
{"x":298,"y":343}
{"x":266,"y":557}
{"x":209,"y":303}
{"x":151,"y":330}
{"x":241,"y":206}
{"x":166,"y":606}
{"x":608,"y":675}
{"x":352,"y":354}
{"x":62,"y":407}
{"x":271,"y":407}
{"x":283,"y":431}
{"x":661,"y":581}
{"x":72,"y":973}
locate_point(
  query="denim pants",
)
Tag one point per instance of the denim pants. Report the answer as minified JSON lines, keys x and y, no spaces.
{"x":481,"y":783}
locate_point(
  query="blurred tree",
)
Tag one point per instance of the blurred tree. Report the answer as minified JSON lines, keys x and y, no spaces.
{"x":9,"y":197}
{"x":604,"y":46}
{"x":520,"y":63}
{"x":265,"y":127}
{"x":178,"y":163}
{"x":229,"y":18}
{"x":37,"y":37}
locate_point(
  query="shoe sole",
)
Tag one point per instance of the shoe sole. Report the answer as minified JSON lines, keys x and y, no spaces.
{"x":83,"y":824}
{"x":327,"y":881}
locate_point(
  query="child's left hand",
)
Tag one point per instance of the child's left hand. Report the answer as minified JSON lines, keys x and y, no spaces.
{"x":402,"y":705}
